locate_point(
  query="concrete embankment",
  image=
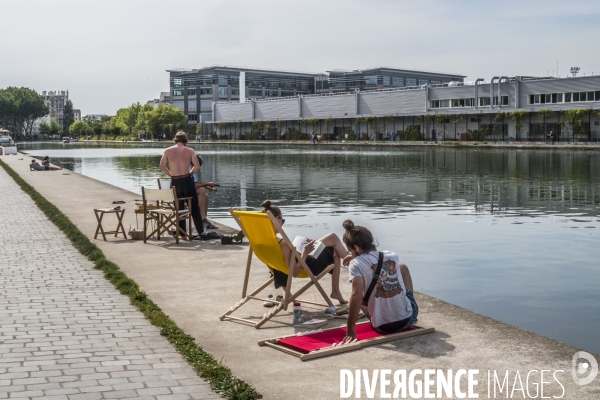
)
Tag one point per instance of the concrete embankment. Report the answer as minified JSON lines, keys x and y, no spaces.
{"x":196,"y":282}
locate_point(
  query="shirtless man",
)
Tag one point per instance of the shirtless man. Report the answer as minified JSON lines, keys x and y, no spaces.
{"x":179,"y":158}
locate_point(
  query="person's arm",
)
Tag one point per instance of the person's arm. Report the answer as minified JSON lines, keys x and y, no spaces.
{"x":163,"y":164}
{"x":287,"y":252}
{"x":209,"y":185}
{"x":354,"y":308}
{"x":194,"y":162}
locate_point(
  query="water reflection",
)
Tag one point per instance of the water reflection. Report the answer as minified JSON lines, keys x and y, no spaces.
{"x":508,"y":233}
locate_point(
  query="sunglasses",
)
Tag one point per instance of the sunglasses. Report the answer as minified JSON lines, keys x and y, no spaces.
{"x":282,"y":220}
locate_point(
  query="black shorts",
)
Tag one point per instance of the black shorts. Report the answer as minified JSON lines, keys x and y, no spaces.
{"x":316,"y":266}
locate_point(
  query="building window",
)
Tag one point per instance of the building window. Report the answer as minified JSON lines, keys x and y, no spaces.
{"x":177,"y":81}
{"x":575,"y":96}
{"x":192,"y":117}
{"x":192,"y":105}
{"x":567,"y":97}
{"x":484,"y":101}
{"x":435,"y":104}
{"x":205,"y":105}
{"x":423,"y":82}
{"x":371,"y":80}
{"x":597,"y":97}
{"x":559,"y":97}
{"x":178,"y":104}
{"x":177,"y":92}
{"x":223,"y":80}
{"x":397,"y":82}
{"x":235,"y":92}
{"x":222,"y":92}
{"x":504,"y":100}
{"x":255,"y":92}
{"x":206,"y":91}
{"x":590,"y":96}
{"x":191,"y":92}
{"x":411,"y":82}
{"x":386,"y":81}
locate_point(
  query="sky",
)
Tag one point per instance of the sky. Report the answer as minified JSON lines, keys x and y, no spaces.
{"x":112,"y":53}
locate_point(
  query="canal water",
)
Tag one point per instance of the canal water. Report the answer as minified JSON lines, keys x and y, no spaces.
{"x":511,"y":234}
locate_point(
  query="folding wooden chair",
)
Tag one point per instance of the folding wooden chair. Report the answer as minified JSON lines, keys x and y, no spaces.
{"x":165,"y":212}
{"x":261,"y":229}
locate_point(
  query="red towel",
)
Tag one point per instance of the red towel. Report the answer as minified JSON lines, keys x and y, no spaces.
{"x":316,"y":341}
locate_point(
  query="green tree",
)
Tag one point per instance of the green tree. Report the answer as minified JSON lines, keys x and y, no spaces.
{"x":79,"y":129}
{"x":314,"y":123}
{"x":68,"y":116}
{"x":518,"y":117}
{"x":44,"y":128}
{"x":543,"y":115}
{"x":128,"y":118}
{"x":19,"y":108}
{"x":163,"y":117}
{"x":54,"y":128}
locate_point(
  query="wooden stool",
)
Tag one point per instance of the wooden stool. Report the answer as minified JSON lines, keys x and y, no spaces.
{"x":100,"y":214}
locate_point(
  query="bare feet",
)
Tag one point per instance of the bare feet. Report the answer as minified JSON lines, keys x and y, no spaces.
{"x":338,"y":296}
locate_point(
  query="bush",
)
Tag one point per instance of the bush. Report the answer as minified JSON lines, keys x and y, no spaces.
{"x":411,"y":133}
{"x":293,"y":134}
{"x":478,"y":134}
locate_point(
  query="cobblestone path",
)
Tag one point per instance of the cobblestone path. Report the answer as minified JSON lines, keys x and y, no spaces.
{"x":66,"y":332}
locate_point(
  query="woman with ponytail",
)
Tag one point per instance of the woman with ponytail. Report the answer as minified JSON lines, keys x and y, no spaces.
{"x":391,"y":306}
{"x":333,"y":253}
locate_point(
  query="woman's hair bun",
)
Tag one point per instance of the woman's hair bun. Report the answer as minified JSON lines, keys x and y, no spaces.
{"x":266,"y":204}
{"x":348,"y":224}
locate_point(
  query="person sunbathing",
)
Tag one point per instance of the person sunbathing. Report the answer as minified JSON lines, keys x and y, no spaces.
{"x":35,"y":166}
{"x":332,"y":254}
{"x":391,"y":306}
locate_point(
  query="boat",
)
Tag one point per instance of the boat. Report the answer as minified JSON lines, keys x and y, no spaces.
{"x":65,"y":139}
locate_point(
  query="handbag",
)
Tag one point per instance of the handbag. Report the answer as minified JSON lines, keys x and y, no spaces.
{"x":365,"y":301}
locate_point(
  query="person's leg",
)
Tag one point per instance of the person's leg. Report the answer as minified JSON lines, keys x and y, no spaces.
{"x":405,"y":273}
{"x":335,"y":281}
{"x":203,"y":202}
{"x":189,"y":190}
{"x":332,"y":240}
{"x":178,"y":185}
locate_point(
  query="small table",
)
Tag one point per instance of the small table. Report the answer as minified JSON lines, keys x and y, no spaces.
{"x":100,"y":214}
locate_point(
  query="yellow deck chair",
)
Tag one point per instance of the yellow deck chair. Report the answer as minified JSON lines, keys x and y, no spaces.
{"x":261,"y":229}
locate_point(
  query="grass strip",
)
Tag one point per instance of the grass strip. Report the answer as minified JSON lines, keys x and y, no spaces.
{"x":220,"y":377}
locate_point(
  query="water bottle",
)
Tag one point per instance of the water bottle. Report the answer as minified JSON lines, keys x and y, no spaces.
{"x":297,"y":313}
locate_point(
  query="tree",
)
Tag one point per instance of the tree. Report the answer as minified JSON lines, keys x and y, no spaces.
{"x":164,"y":116}
{"x":458,"y":118}
{"x":543,"y":114}
{"x":518,"y":117}
{"x":54,"y":128}
{"x":19,"y":108}
{"x":68,"y":116}
{"x":314,"y":123}
{"x":79,"y":129}
{"x":45,"y":128}
{"x":127,"y":118}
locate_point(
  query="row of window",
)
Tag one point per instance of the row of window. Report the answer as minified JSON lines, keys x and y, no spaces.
{"x":203,"y":91}
{"x":552,"y":98}
{"x":453,"y":103}
{"x":378,"y":80}
{"x":205,"y":105}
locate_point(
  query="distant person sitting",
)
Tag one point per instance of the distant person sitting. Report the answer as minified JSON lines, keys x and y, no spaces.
{"x":35,"y":166}
{"x":390,"y":306}
{"x":203,"y":197}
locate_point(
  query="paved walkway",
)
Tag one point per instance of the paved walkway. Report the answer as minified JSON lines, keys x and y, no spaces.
{"x":66,"y":332}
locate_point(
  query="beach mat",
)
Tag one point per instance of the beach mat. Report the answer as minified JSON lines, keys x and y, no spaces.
{"x":307,"y":346}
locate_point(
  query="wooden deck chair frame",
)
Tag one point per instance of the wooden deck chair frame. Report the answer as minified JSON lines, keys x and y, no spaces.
{"x":289,"y":297}
{"x":342,"y":348}
{"x":165,"y":213}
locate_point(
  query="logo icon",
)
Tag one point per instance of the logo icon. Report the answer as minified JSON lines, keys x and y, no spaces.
{"x":581,"y":368}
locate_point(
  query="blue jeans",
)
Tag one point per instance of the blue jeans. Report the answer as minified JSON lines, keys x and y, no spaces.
{"x":398,"y":326}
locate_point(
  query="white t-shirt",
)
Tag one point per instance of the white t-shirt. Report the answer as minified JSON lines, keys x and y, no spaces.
{"x":388,"y":302}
